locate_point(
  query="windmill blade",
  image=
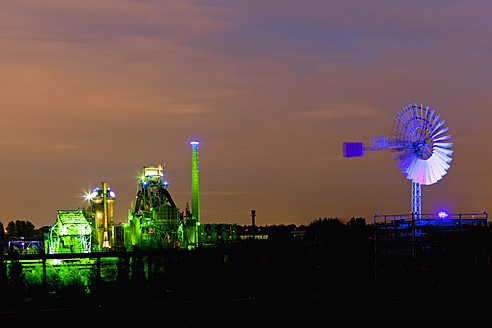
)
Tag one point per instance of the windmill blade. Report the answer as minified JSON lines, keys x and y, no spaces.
{"x":438,"y":125}
{"x":436,"y":168}
{"x":427,"y":172}
{"x":442,"y":161}
{"x":419,"y":171}
{"x":423,"y":154}
{"x":437,"y":133}
{"x":442,"y":138}
{"x":443,"y":144}
{"x":434,"y":122}
{"x":444,"y":151}
{"x":434,"y":172}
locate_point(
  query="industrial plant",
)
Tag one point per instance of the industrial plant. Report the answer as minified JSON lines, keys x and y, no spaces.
{"x":154,"y":220}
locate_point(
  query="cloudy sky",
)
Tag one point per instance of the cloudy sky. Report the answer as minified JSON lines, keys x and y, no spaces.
{"x":91,"y":91}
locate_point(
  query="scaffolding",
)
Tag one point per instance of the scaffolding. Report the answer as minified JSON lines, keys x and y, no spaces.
{"x":70,"y":234}
{"x":422,"y":239}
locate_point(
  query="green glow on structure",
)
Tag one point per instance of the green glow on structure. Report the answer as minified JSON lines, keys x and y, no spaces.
{"x":195,"y":205}
{"x":70,"y":234}
{"x":193,"y":221}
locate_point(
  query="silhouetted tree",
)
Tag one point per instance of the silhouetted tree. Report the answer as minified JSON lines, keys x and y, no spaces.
{"x":41,"y":231}
{"x":20,"y":228}
{"x":357,"y":222}
{"x":2,"y":231}
{"x":11,"y":228}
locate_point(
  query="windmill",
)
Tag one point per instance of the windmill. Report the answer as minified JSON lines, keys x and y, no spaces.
{"x":419,"y":142}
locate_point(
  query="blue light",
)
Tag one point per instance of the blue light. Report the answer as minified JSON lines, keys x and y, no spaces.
{"x":194,"y":142}
{"x":165,"y":183}
{"x":442,"y":215}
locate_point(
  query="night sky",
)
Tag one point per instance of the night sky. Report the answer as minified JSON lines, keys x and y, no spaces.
{"x":91,"y":91}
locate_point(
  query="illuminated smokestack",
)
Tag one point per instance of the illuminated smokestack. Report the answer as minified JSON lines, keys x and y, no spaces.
{"x":105,"y":215}
{"x":195,"y":205}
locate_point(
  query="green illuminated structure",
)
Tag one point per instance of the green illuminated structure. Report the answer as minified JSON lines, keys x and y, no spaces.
{"x":70,"y":234}
{"x":100,"y":215}
{"x":193,"y":223}
{"x":155,"y":221}
{"x":195,"y":202}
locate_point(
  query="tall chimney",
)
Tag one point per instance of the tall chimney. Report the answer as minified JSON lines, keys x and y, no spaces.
{"x":195,"y":205}
{"x":253,"y":224}
{"x":105,"y":243}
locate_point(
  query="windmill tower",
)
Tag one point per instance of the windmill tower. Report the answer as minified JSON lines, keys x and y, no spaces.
{"x":420,"y":149}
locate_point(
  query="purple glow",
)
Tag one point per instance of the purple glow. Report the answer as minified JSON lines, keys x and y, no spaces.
{"x":442,"y":215}
{"x":353,"y":149}
{"x":194,"y":142}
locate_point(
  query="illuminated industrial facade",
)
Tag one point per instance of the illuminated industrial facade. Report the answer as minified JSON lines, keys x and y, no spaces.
{"x":70,"y":234}
{"x":154,"y":220}
{"x":100,"y":215}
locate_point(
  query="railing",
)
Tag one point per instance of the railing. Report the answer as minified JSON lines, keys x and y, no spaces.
{"x":442,"y":219}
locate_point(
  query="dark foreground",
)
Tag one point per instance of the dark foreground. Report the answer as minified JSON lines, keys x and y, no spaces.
{"x":315,"y":281}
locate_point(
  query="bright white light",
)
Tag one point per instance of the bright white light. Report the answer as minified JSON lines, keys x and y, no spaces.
{"x":442,"y":215}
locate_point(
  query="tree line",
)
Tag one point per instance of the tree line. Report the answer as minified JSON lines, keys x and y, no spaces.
{"x":24,"y":228}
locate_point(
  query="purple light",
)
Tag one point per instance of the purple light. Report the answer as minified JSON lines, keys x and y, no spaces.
{"x":353,"y":149}
{"x":442,"y":215}
{"x":194,"y":142}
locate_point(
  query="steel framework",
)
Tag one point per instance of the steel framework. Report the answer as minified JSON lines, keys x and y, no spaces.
{"x":405,"y":234}
{"x":70,"y":234}
{"x":416,"y":199}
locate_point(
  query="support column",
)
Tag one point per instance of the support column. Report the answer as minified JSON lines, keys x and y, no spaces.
{"x":416,"y":200}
